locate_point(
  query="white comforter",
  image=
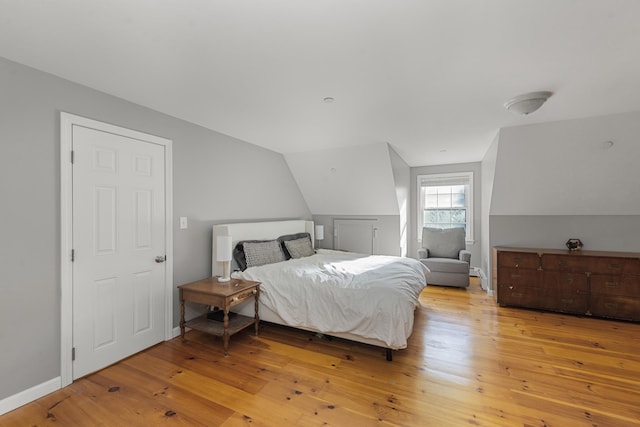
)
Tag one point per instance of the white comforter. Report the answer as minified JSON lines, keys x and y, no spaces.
{"x":333,"y":291}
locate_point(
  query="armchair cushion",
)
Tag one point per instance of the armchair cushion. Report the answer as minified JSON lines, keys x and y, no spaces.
{"x":446,"y":265}
{"x":443,"y":243}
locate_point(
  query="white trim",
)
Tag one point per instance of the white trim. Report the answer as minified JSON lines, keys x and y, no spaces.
{"x":29,"y":395}
{"x":67,"y":121}
{"x":470,"y":208}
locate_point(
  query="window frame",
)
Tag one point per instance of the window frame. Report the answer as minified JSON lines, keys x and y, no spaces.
{"x":446,"y":179}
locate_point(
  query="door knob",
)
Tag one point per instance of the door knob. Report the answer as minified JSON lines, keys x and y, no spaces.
{"x":161,"y":258}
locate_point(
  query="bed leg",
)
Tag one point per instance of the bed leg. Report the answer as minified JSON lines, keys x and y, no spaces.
{"x":389,"y":355}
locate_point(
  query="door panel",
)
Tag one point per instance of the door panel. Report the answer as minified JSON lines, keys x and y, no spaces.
{"x":118,"y":231}
{"x":354,"y":235}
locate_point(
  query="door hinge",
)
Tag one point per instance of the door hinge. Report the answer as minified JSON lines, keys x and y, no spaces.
{"x":73,"y":255}
{"x":72,"y":156}
{"x":73,"y":354}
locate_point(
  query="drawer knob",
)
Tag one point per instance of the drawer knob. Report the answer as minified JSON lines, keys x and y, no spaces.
{"x":254,"y":291}
{"x":234,"y":299}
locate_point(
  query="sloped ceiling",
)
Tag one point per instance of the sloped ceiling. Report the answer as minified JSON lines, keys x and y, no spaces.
{"x":427,"y":76}
{"x":346,"y":181}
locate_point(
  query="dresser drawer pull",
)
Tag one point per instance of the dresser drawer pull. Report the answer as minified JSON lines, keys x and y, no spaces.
{"x":567,"y":301}
{"x":234,"y":299}
{"x":611,"y":284}
{"x":515,"y":276}
{"x":562,"y":263}
{"x":254,"y":291}
{"x":568,"y":280}
{"x":516,"y":294}
{"x":611,"y":305}
{"x":615,"y":266}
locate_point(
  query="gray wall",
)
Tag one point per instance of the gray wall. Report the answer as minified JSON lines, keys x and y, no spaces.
{"x":361,"y":182}
{"x":487,"y":173}
{"x":402,"y":180}
{"x":216,"y":179}
{"x":475,"y":247}
{"x":387,"y":242}
{"x":559,"y":180}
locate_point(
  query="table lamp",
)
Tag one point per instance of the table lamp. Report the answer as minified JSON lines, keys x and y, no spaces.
{"x":319,"y":232}
{"x":223,"y":255}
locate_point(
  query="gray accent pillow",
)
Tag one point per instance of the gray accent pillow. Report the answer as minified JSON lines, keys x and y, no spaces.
{"x":299,"y":248}
{"x":261,"y":253}
{"x":296,"y":236}
{"x":443,"y":242}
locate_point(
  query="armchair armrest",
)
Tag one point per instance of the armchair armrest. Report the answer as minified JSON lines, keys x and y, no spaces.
{"x":465,"y":255}
{"x":423,"y":253}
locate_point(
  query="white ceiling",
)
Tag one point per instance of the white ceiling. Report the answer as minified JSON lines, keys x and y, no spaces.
{"x":427,"y":76}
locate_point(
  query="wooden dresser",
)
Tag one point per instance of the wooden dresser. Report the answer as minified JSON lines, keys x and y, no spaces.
{"x":603,"y":284}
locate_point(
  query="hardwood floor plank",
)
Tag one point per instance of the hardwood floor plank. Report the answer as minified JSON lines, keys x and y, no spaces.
{"x":468,"y":362}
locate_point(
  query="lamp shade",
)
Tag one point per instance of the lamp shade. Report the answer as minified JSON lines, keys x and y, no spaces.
{"x":527,"y":103}
{"x":223,"y":248}
{"x":319,"y":232}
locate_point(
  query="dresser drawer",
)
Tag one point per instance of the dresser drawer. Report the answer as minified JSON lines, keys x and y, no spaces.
{"x":615,"y":306}
{"x":632,"y":266}
{"x":615,"y":285}
{"x":565,"y":282}
{"x":570,"y":301}
{"x":517,"y":276}
{"x":526,"y":296}
{"x":607,"y":265}
{"x":574,"y":264}
{"x":518,"y":260}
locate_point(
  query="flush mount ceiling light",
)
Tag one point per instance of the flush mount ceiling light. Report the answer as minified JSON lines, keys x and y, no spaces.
{"x":527,"y":103}
{"x":328,"y":99}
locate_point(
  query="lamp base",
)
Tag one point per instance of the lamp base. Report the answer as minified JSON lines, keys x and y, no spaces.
{"x":224,"y":279}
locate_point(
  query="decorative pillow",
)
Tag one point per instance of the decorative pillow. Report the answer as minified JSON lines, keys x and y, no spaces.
{"x":283,"y":239}
{"x":261,"y":253}
{"x":238,"y":253}
{"x":299,"y":248}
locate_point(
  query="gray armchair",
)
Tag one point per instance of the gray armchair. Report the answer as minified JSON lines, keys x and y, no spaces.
{"x":444,"y":253}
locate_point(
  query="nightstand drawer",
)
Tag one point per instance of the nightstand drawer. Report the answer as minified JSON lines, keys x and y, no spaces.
{"x":243,"y":296}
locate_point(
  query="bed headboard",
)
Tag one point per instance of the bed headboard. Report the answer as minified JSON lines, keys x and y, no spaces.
{"x":255,"y":231}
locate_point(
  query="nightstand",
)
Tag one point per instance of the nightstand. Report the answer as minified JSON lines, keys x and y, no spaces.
{"x":223,"y":295}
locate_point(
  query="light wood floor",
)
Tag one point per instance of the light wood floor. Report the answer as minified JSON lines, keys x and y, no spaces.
{"x":468,"y":363}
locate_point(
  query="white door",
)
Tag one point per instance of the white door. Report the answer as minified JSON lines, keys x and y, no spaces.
{"x":118,"y":194}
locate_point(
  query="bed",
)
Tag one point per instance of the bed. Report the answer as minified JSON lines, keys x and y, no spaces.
{"x":367,"y":299}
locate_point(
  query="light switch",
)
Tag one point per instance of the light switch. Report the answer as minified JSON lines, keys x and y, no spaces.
{"x":183,"y":222}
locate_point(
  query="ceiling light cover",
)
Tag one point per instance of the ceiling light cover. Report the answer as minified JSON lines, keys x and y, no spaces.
{"x":527,"y":103}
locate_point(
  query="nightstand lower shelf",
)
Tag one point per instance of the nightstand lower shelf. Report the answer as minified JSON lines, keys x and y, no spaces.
{"x":215,"y":327}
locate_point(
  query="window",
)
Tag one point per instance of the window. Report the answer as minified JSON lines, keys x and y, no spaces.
{"x":446,"y":201}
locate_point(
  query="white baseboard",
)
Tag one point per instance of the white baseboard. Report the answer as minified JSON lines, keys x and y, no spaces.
{"x":484,"y":280}
{"x":36,"y":392}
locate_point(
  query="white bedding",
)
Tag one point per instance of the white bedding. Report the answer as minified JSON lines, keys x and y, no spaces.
{"x":341,"y":292}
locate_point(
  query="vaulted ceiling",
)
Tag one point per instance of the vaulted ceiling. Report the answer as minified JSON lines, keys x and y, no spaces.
{"x":427,"y":76}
